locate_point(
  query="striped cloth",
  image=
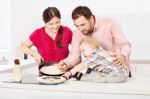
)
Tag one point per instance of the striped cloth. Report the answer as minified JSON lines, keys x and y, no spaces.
{"x":101,"y":61}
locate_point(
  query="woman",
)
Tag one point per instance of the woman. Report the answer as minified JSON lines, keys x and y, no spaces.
{"x":51,"y":40}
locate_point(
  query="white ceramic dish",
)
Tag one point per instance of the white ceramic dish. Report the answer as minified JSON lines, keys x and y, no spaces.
{"x":51,"y":80}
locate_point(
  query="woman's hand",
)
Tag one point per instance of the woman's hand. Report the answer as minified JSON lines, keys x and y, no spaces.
{"x":26,"y":48}
{"x":37,"y":57}
{"x":119,"y":59}
{"x":62,"y":66}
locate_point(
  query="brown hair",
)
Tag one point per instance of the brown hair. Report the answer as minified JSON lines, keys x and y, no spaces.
{"x":48,"y":14}
{"x":81,"y":11}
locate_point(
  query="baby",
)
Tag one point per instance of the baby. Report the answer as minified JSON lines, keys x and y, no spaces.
{"x":97,"y":64}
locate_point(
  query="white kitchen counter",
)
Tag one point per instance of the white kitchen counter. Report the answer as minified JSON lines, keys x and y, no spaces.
{"x":136,"y":87}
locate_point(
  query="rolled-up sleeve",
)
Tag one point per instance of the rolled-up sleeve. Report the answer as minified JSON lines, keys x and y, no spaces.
{"x":74,"y":56}
{"x":120,"y":39}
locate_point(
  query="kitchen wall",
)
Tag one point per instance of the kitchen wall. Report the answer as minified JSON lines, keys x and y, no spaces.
{"x":4,"y":30}
{"x":132,"y":15}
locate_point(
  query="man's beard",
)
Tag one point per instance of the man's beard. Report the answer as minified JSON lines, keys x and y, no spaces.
{"x":88,"y":32}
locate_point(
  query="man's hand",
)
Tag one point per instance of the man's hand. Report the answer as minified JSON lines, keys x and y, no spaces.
{"x":68,"y":75}
{"x":62,"y":66}
{"x":119,"y":59}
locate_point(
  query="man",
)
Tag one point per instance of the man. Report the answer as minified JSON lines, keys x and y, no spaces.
{"x":105,"y":30}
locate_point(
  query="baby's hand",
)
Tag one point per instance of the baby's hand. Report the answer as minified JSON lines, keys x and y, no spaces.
{"x":68,"y":75}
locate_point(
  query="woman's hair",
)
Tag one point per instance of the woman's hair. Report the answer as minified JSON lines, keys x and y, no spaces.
{"x":48,"y":14}
{"x":90,"y":41}
{"x":81,"y":11}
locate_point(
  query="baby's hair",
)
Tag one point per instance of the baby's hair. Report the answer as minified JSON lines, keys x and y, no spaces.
{"x":91,"y":41}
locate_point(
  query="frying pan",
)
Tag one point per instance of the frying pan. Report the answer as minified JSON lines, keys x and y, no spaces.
{"x":49,"y":69}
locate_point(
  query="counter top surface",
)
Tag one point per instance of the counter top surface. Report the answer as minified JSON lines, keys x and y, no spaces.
{"x":138,"y":84}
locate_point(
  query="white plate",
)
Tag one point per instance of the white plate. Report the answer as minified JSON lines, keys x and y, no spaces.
{"x":51,"y":79}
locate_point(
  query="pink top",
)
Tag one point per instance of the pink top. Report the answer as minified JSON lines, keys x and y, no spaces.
{"x":46,"y":45}
{"x":110,"y":36}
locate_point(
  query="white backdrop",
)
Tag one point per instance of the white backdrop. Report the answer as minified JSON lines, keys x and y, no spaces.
{"x":132,"y":15}
{"x":4,"y":25}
